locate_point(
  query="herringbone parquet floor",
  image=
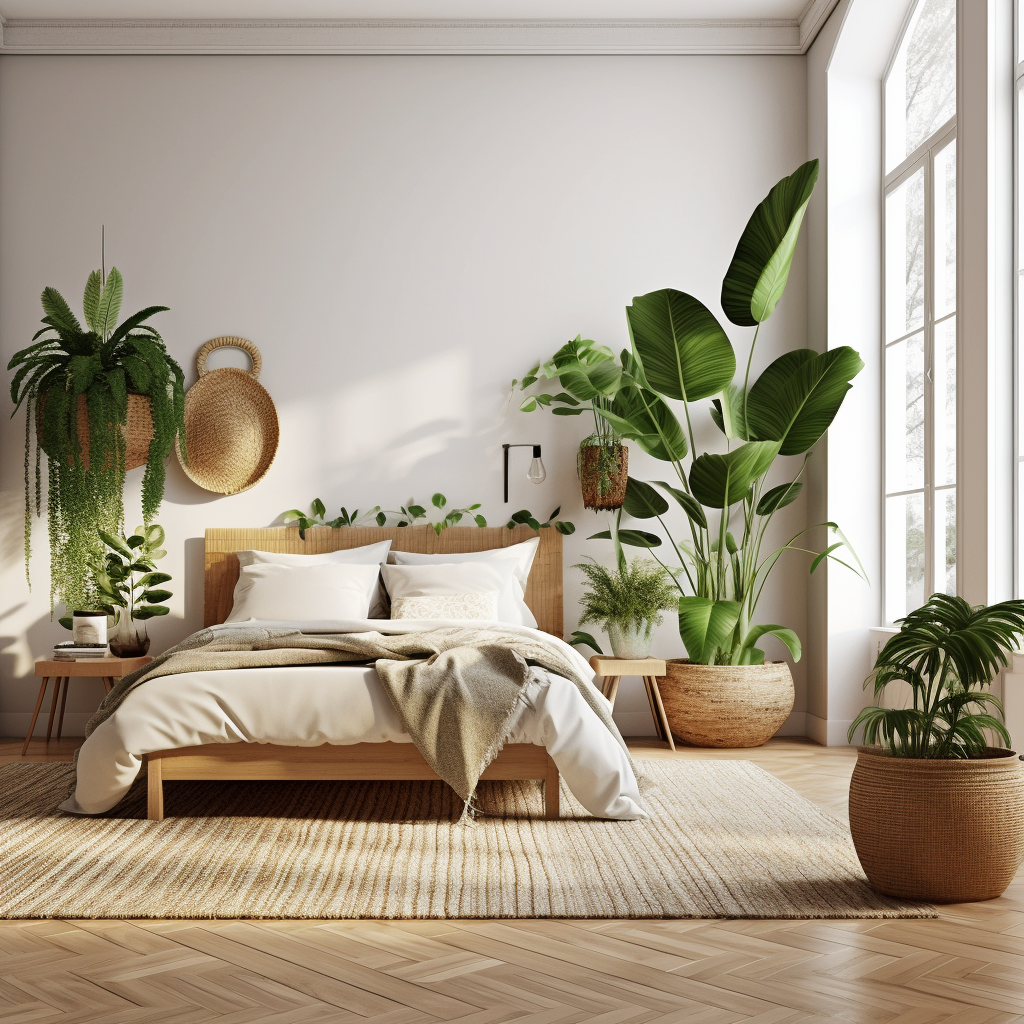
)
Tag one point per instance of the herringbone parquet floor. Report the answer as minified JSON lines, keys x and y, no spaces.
{"x":967,"y":967}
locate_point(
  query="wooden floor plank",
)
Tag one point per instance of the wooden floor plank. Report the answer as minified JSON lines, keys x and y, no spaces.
{"x":966,"y":967}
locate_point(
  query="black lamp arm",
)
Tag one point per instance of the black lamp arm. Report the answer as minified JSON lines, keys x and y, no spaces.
{"x":536,"y":455}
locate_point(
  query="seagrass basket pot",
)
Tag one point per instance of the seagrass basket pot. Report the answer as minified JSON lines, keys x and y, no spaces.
{"x":137,"y":430}
{"x":604,"y":471}
{"x":942,"y":831}
{"x":726,"y":705}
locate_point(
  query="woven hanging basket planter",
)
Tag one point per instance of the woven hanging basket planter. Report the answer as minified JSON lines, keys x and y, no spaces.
{"x":942,"y":831}
{"x":137,"y":430}
{"x":726,"y":705}
{"x":603,"y":471}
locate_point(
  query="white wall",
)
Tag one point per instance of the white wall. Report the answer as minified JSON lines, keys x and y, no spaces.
{"x":400,"y":236}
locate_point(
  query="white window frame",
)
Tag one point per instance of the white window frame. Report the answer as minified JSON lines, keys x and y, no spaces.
{"x":1018,"y":310}
{"x":921,"y":158}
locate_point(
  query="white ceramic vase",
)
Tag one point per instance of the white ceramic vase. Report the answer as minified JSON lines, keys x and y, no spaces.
{"x":631,"y":642}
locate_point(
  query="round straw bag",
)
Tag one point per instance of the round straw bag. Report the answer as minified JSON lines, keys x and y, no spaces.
{"x":231,"y":428}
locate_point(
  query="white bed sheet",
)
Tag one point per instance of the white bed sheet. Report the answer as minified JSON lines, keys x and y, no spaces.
{"x":342,"y":704}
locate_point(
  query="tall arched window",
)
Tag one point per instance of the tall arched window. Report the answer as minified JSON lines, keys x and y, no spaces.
{"x":919,"y":331}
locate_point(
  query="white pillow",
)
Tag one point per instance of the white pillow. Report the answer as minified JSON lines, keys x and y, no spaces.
{"x":512,"y":606}
{"x":304,"y":592}
{"x":366,"y":554}
{"x":451,"y":579}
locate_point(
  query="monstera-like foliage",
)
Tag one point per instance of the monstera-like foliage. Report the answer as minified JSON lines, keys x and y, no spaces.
{"x":681,"y":352}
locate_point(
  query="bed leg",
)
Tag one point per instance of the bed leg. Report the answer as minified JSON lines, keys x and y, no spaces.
{"x":551,"y":788}
{"x":156,"y":789}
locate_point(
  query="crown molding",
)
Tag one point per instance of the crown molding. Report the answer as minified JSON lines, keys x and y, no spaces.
{"x":94,"y":36}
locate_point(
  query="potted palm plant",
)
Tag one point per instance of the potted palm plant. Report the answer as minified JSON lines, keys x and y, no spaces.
{"x":103,"y":399}
{"x":724,"y":694}
{"x":937,"y":813}
{"x":627,"y":602}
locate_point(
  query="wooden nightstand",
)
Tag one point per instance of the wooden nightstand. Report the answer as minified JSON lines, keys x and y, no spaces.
{"x":612,"y":670}
{"x":62,"y":672}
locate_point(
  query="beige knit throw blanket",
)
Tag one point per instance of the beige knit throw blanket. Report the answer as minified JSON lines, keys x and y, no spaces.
{"x":456,"y":690}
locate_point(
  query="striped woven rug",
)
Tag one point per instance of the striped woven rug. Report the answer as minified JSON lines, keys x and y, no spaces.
{"x":724,"y":839}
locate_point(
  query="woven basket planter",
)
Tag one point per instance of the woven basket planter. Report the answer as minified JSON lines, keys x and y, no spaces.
{"x":726,"y":705}
{"x":936,"y":830}
{"x":138,"y":430}
{"x":594,"y":461}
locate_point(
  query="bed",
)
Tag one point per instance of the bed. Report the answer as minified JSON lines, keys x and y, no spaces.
{"x":386,"y":760}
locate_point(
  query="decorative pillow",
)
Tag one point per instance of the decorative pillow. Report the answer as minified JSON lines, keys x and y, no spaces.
{"x":512,"y":605}
{"x":449,"y":579}
{"x":300,"y":593}
{"x":366,"y":554}
{"x":448,"y":606}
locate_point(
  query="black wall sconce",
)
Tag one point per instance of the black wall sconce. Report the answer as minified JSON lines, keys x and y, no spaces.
{"x":536,"y":473}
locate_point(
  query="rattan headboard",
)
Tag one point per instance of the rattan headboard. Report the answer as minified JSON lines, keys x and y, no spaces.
{"x":543,"y":591}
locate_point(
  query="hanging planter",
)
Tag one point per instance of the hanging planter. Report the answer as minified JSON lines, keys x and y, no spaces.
{"x":103,"y":398}
{"x":137,"y":432}
{"x":602,"y":465}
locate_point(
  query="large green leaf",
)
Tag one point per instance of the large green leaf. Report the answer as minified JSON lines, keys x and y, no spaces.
{"x":784,"y":633}
{"x":589,"y":382}
{"x":757,"y":276}
{"x":634,"y":538}
{"x":684,"y":352}
{"x":58,"y":312}
{"x":642,"y":501}
{"x":796,"y":398}
{"x":690,"y":505}
{"x":91,"y":300}
{"x":641,"y":416}
{"x":718,"y":481}
{"x":706,"y":625}
{"x":778,"y":497}
{"x":109,"y":306}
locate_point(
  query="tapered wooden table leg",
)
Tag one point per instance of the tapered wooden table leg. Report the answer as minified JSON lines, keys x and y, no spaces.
{"x":611,"y":688}
{"x":35,"y":714}
{"x":63,"y":701}
{"x":660,"y":717}
{"x":53,"y":708}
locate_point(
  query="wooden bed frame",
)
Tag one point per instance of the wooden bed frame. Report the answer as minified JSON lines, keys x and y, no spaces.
{"x":393,"y":761}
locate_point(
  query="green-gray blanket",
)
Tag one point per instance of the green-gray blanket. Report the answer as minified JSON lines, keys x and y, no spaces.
{"x":456,"y":690}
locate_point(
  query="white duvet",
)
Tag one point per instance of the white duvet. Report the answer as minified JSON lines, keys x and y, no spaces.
{"x":342,"y":704}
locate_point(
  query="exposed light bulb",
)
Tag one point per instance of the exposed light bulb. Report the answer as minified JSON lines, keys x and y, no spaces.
{"x":537,"y":473}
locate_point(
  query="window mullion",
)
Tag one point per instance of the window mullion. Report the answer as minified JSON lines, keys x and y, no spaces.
{"x":929,"y":384}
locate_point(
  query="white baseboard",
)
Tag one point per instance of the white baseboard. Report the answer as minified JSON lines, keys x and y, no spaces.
{"x":16,"y":723}
{"x":829,"y":733}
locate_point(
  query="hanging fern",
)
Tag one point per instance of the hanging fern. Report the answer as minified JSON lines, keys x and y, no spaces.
{"x":106,"y":364}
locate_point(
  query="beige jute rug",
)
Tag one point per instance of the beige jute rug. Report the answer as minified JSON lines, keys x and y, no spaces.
{"x":724,"y":839}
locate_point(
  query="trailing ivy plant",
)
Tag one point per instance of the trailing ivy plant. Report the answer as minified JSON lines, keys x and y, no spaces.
{"x":105,"y":363}
{"x":524,"y":517}
{"x":680,"y":351}
{"x":406,"y":515}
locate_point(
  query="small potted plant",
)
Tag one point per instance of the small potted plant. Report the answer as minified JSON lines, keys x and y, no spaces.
{"x":937,"y":813}
{"x":627,"y":602}
{"x":129,"y":587}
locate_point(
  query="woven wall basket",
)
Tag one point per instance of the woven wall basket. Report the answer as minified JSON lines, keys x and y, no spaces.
{"x":231,"y":426}
{"x":726,"y":705}
{"x":939,"y":831}
{"x":138,"y":430}
{"x":590,"y":457}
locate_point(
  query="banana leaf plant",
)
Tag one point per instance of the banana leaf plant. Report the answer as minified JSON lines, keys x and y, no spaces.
{"x":680,"y":351}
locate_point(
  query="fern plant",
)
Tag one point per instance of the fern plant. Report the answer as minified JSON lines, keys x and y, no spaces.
{"x":948,"y":653}
{"x":629,"y":595}
{"x":105,"y":363}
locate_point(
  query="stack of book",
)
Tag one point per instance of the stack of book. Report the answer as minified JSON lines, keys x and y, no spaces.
{"x":71,"y":651}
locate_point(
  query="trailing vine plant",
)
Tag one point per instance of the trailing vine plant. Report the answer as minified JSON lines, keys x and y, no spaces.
{"x":105,"y":363}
